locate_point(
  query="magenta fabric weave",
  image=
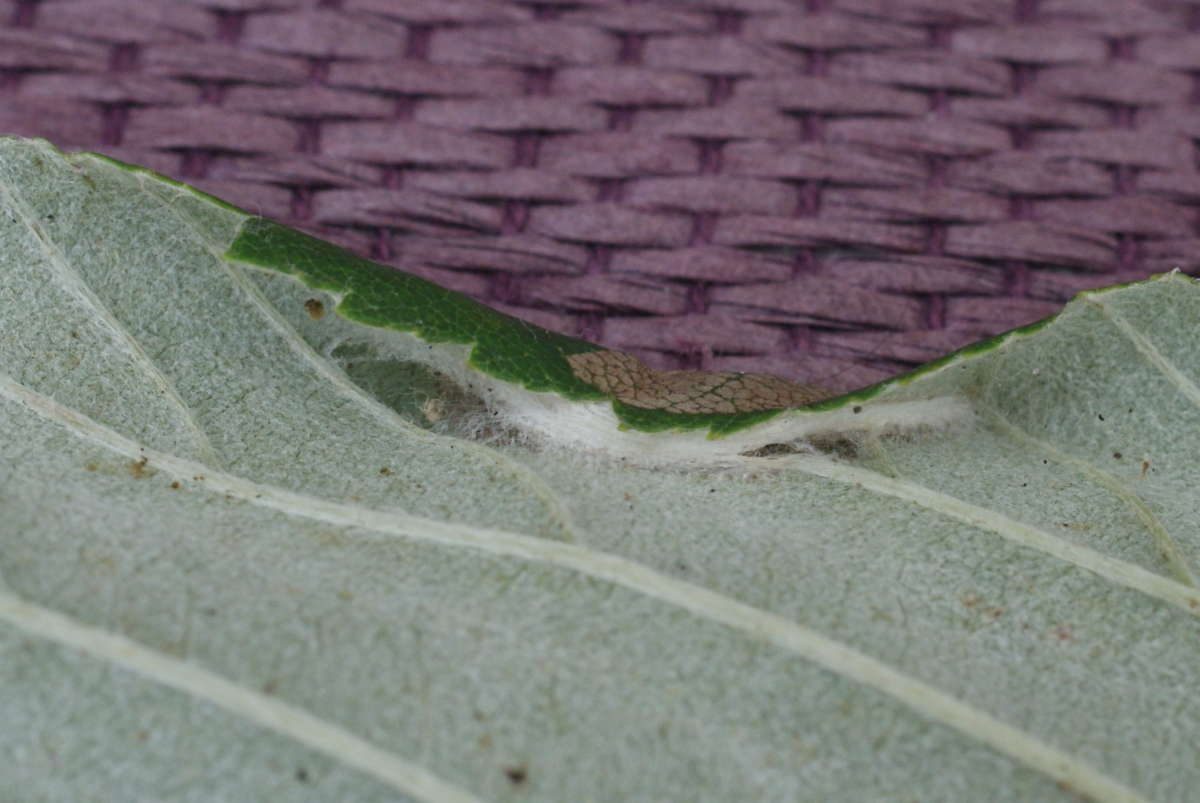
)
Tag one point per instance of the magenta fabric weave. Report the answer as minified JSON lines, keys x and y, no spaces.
{"x":831,"y":190}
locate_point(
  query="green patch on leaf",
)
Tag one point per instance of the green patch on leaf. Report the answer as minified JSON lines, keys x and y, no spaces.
{"x":376,"y":295}
{"x":718,"y":424}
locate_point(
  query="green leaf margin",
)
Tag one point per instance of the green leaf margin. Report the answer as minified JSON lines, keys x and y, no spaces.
{"x":503,"y":346}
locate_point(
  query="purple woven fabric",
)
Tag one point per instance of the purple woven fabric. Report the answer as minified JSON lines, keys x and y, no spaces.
{"x":831,"y":190}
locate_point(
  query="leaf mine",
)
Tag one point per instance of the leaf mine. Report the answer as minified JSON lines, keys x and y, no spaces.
{"x":631,"y":381}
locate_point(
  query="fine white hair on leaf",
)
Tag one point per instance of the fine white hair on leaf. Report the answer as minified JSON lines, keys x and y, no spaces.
{"x":594,"y":427}
{"x":548,"y":420}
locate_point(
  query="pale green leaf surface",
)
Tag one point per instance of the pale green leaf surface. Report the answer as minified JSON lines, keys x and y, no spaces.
{"x":210,"y":588}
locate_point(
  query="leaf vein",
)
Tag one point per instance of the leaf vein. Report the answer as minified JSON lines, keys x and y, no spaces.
{"x":1117,"y":571}
{"x":1162,"y":539}
{"x":261,"y":709}
{"x":72,"y":283}
{"x":772,"y":628}
{"x":1148,"y":350}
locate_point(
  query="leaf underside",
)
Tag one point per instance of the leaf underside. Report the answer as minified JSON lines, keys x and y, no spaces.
{"x":242,"y":556}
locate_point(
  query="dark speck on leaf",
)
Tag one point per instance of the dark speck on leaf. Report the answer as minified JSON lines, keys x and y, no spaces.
{"x":315,"y":309}
{"x":301,"y":775}
{"x":834,"y":444}
{"x":517,"y":775}
{"x":857,"y":408}
{"x":1117,"y":455}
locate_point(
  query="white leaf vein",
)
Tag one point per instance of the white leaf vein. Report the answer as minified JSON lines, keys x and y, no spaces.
{"x":1166,"y":545}
{"x":73,"y":284}
{"x":772,"y":628}
{"x":261,"y":709}
{"x":385,"y":415}
{"x":337,"y":378}
{"x":1115,"y":570}
{"x":1148,"y":350}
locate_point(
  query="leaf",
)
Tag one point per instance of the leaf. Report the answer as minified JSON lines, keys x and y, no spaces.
{"x":280,"y":524}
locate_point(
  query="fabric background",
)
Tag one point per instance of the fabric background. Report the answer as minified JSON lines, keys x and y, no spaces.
{"x":830,"y":190}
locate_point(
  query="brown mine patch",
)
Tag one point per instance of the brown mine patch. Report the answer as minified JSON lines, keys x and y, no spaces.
{"x":835,"y":444}
{"x":315,"y":309}
{"x":773,"y":450}
{"x":629,"y":380}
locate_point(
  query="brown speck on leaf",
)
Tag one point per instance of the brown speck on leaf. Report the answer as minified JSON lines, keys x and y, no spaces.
{"x":517,"y":775}
{"x":1145,"y":468}
{"x":629,"y":380}
{"x":385,"y":471}
{"x":315,"y":309}
{"x":138,"y":467}
{"x":175,"y":485}
{"x":91,"y":466}
{"x":834,"y":444}
{"x":1117,"y":455}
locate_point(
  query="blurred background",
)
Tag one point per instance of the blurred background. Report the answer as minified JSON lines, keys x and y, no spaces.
{"x":831,"y":190}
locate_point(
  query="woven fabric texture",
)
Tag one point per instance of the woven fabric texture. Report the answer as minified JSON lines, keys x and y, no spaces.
{"x":832,"y":190}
